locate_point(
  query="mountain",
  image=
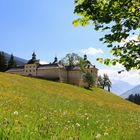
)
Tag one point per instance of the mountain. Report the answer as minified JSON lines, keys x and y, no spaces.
{"x":32,"y":108}
{"x":135,"y":90}
{"x":19,"y":61}
{"x":119,"y":87}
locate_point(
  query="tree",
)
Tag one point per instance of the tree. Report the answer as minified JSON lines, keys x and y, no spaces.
{"x":134,"y":98}
{"x":121,"y":20}
{"x":72,"y":59}
{"x":109,"y":85}
{"x":100,"y":82}
{"x":89,"y":79}
{"x":106,"y":82}
{"x":11,"y":62}
{"x":3,"y":62}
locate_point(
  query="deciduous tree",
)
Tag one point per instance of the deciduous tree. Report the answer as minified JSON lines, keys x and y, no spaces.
{"x":121,"y":20}
{"x":89,"y":80}
{"x":104,"y":82}
{"x":72,"y":59}
{"x":100,"y":82}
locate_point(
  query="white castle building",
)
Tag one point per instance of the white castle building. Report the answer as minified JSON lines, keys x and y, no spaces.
{"x":56,"y":71}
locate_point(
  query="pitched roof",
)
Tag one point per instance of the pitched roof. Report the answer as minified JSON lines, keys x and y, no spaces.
{"x":70,"y":68}
{"x":51,"y":65}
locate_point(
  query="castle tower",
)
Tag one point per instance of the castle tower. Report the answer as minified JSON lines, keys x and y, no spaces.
{"x":85,"y":57}
{"x":55,"y":60}
{"x":33,"y":56}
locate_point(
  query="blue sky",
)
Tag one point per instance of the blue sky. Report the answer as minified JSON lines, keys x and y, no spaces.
{"x":45,"y":26}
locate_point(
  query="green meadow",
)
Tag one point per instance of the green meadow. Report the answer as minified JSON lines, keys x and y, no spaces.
{"x":35,"y":109}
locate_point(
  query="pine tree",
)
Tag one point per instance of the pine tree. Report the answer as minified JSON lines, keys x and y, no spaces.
{"x":100,"y":82}
{"x":109,"y":84}
{"x":104,"y":82}
{"x":134,"y":98}
{"x":3,"y":62}
{"x":11,"y":62}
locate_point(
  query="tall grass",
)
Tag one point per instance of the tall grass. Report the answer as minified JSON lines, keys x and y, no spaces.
{"x":33,"y":109}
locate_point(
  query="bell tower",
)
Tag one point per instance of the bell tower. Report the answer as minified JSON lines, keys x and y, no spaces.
{"x":85,"y":57}
{"x":55,"y":60}
{"x":33,"y":56}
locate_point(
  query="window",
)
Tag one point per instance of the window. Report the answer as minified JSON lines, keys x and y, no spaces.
{"x":91,"y":71}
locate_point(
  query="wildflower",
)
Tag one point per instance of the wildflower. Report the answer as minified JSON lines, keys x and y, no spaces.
{"x":54,"y":137}
{"x":55,"y":111}
{"x":70,"y":138}
{"x":105,"y":134}
{"x":97,"y":122}
{"x":85,"y":114}
{"x":64,"y":113}
{"x":16,"y":113}
{"x":98,"y":136}
{"x":45,"y":118}
{"x":77,"y":124}
{"x":5,"y":122}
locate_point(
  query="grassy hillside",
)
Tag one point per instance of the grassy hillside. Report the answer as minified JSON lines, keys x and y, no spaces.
{"x":33,"y":109}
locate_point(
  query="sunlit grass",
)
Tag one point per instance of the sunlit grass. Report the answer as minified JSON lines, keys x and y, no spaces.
{"x":33,"y":109}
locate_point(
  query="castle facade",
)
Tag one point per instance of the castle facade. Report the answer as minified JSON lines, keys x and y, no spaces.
{"x":56,"y":71}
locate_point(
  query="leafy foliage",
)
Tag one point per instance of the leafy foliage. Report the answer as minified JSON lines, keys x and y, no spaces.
{"x":121,"y":20}
{"x":104,"y":82}
{"x":71,"y":59}
{"x":100,"y":82}
{"x":107,"y":82}
{"x":89,"y":79}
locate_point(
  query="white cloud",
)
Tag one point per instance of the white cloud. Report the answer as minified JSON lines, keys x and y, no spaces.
{"x":43,"y":62}
{"x":135,"y":37}
{"x":132,"y":77}
{"x":91,"y":51}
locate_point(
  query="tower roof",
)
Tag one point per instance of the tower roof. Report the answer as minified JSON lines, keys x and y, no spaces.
{"x":55,"y":60}
{"x":85,"y":57}
{"x":33,"y":60}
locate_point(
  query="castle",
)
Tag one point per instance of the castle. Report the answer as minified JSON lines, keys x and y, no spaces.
{"x":56,"y":71}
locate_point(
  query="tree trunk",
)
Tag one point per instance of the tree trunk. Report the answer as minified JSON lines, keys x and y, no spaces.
{"x":108,"y":89}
